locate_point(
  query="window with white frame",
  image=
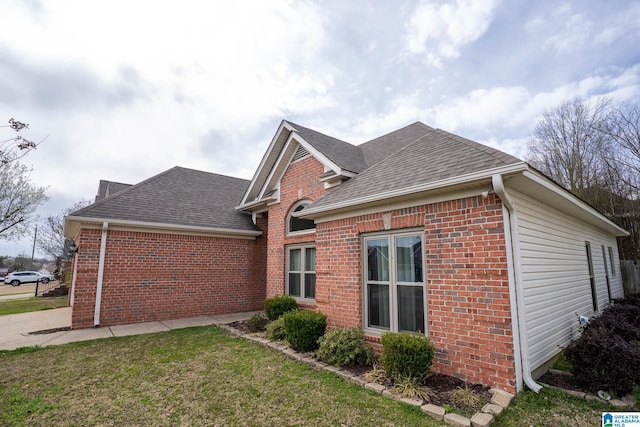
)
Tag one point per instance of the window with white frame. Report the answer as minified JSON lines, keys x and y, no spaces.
{"x":394,"y":291}
{"x":606,"y":272}
{"x":613,"y":267}
{"x":301,"y":271}
{"x":592,"y":277}
{"x":297,"y":225}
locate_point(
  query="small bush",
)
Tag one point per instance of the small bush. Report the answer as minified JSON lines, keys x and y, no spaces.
{"x":279,"y":305}
{"x":275,"y":329}
{"x":257,"y":323}
{"x":303,"y":329}
{"x":607,"y":354}
{"x":345,"y":347}
{"x":412,"y":388}
{"x":406,"y":356}
{"x":377,"y":375}
{"x":466,"y":398}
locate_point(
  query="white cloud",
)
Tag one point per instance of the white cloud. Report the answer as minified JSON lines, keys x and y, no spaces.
{"x":575,"y":34}
{"x":438,"y":31}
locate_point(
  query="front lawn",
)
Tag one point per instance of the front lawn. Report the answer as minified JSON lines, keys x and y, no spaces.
{"x":193,"y":376}
{"x":201,"y":376}
{"x":32,"y":304}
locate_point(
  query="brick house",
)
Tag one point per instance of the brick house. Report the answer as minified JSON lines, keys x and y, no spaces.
{"x":418,"y":230}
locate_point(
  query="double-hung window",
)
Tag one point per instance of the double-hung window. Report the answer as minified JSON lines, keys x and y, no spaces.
{"x":394,"y":291}
{"x":301,"y":271}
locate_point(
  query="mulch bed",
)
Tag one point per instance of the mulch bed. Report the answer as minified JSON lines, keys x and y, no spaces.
{"x":567,"y":382}
{"x":443,"y":385}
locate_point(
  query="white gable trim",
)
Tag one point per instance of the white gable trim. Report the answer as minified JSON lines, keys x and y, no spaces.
{"x":285,"y":156}
{"x":264,"y":163}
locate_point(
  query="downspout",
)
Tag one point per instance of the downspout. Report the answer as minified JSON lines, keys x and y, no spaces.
{"x":103,"y":247}
{"x":73,"y":278}
{"x":515,"y":284}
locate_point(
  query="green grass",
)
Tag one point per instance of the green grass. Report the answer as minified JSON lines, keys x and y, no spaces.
{"x":31,"y":304}
{"x":193,"y":376}
{"x":551,"y":408}
{"x":562,"y":364}
{"x":201,"y":376}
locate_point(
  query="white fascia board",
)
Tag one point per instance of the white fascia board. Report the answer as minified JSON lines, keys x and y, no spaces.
{"x":279,"y":163}
{"x":545,"y":182}
{"x":284,"y":160}
{"x":265,"y":158}
{"x":461,"y":179}
{"x":75,"y":222}
{"x":400,"y":204}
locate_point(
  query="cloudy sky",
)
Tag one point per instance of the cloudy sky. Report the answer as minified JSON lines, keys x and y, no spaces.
{"x":127,"y":89}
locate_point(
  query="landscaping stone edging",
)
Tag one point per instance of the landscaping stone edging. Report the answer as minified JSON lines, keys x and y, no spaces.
{"x":500,"y":399}
{"x":626,"y":402}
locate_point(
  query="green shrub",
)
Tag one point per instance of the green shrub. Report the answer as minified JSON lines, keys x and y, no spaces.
{"x":303,"y":329}
{"x":345,"y":347}
{"x":279,"y":305}
{"x":406,"y":355}
{"x":257,"y":323}
{"x":275,"y":329}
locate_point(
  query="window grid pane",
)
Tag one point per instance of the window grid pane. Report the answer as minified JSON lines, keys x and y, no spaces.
{"x":378,"y":260}
{"x":295,"y":260}
{"x":379,"y":306}
{"x":411,"y":309}
{"x":294,"y":284}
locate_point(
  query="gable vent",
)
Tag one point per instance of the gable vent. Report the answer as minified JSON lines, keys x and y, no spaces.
{"x":302,"y":152}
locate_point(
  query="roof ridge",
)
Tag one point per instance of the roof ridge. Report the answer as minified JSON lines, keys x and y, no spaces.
{"x":125,"y":191}
{"x":494,"y":152}
{"x":428,"y":129}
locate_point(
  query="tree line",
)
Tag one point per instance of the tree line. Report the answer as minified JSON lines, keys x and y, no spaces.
{"x":592,"y":148}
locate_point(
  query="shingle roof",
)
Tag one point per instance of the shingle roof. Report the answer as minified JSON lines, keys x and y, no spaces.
{"x":343,"y":154}
{"x":426,"y":155}
{"x":382,"y":147}
{"x":109,"y":188}
{"x":177,"y":196}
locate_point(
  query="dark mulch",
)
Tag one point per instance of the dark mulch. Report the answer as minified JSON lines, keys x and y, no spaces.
{"x":444,"y":386}
{"x":241,"y":326}
{"x":567,"y":382}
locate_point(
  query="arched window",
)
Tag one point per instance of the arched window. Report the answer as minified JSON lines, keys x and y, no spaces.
{"x":297,"y":225}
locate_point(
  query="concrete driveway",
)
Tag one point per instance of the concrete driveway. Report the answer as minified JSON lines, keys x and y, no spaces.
{"x":16,"y":329}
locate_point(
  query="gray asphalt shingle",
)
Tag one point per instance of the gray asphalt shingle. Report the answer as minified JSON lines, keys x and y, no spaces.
{"x":343,"y":154}
{"x":178,"y":196}
{"x":426,"y":155}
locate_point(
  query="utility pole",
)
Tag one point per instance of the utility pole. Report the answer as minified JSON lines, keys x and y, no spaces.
{"x":33,"y":250}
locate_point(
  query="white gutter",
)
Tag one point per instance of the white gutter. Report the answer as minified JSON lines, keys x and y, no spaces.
{"x":461,"y":179}
{"x":158,"y":225}
{"x":103,"y":247}
{"x":512,"y":242}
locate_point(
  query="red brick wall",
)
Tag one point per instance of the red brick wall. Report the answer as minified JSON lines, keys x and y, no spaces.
{"x":468,"y":310}
{"x":467,"y":283}
{"x":301,"y":181}
{"x":153,"y":276}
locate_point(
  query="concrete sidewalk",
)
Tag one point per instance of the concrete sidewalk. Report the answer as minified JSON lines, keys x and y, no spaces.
{"x":17,"y":330}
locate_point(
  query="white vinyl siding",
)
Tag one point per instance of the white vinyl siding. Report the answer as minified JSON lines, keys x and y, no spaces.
{"x":555,"y":274}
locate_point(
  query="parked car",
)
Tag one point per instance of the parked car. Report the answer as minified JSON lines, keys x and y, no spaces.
{"x":17,"y":278}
